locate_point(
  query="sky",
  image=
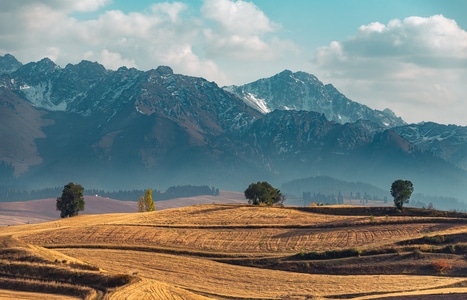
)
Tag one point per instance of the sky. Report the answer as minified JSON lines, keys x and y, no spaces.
{"x":406,"y":55}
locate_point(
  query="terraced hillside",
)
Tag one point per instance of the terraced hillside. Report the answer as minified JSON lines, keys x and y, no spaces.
{"x":216,"y":251}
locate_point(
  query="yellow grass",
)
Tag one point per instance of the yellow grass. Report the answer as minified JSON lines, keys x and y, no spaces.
{"x":221,"y":280}
{"x":227,"y":228}
{"x":153,"y":289}
{"x":199,"y":233}
{"x":232,"y":240}
{"x":437,"y":294}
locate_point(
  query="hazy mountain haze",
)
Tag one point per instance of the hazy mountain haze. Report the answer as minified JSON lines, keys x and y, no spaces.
{"x":129,"y":129}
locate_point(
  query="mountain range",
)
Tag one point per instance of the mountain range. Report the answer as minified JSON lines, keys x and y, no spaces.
{"x":129,"y":128}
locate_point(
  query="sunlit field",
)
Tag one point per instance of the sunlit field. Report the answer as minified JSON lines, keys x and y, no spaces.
{"x":216,"y":251}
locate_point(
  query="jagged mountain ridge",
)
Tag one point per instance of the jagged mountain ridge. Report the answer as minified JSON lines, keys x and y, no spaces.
{"x":303,"y":91}
{"x":124,"y":119}
{"x":293,"y":143}
{"x":446,"y":141}
{"x":128,"y":128}
{"x":8,"y":64}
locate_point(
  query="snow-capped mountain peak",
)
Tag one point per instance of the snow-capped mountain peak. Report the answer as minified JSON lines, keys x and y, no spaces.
{"x":303,"y":91}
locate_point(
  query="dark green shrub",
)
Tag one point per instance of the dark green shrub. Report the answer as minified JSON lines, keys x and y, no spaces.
{"x":434,"y":240}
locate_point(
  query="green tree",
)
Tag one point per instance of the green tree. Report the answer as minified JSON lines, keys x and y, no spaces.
{"x":146,"y":203}
{"x":401,"y":190}
{"x":263,"y":193}
{"x":72,"y":201}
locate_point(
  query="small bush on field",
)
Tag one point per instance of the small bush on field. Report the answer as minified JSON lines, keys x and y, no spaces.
{"x":434,"y":240}
{"x":441,"y":266}
{"x":450,"y":248}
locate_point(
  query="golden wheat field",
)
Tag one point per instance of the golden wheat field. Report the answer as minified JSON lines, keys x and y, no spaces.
{"x":215,"y":251}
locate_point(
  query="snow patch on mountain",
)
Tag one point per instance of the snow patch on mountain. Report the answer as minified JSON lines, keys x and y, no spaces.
{"x":250,"y":99}
{"x":257,"y":103}
{"x":303,"y":91}
{"x":39,"y":96}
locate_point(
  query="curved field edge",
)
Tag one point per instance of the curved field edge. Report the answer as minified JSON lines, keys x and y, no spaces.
{"x":29,"y":268}
{"x":265,"y":241}
{"x":180,"y":252}
{"x":153,"y":289}
{"x":219,"y":280}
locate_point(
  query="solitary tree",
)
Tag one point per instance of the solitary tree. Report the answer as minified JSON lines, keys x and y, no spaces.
{"x":146,"y":203}
{"x":71,"y":201}
{"x":263,"y":192}
{"x":401,"y":190}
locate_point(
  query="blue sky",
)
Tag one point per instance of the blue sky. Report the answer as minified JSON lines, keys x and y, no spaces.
{"x":407,"y":55}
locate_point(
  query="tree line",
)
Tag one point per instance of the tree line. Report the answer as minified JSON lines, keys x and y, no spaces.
{"x":9,"y":194}
{"x":263,"y":193}
{"x":331,"y":188}
{"x":338,"y":198}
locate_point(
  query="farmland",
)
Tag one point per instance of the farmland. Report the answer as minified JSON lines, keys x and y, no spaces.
{"x":219,"y":251}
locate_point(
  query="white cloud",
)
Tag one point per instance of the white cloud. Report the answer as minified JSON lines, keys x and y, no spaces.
{"x":241,"y":31}
{"x":416,"y":67}
{"x":172,"y":10}
{"x":238,"y":17}
{"x":86,"y":5}
{"x":159,"y":36}
{"x":114,"y":60}
{"x":59,"y":5}
{"x":234,"y":35}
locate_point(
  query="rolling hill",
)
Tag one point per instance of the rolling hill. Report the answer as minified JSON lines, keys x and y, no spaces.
{"x":219,"y":251}
{"x":37,"y":211}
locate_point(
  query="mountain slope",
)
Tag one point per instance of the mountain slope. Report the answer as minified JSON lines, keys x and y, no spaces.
{"x":9,"y":64}
{"x":135,"y":126}
{"x":448,"y":142}
{"x":303,"y":91}
{"x":21,"y":125}
{"x":128,"y":129}
{"x":290,"y":145}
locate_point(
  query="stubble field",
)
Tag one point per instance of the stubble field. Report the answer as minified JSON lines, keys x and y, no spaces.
{"x":243,"y":252}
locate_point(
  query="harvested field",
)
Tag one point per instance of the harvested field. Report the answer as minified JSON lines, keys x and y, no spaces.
{"x":153,"y":289}
{"x":235,"y":229}
{"x":219,"y":280}
{"x":235,"y":240}
{"x":217,"y":251}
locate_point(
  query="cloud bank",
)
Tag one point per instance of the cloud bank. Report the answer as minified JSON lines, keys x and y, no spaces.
{"x":417,"y":66}
{"x":167,"y":33}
